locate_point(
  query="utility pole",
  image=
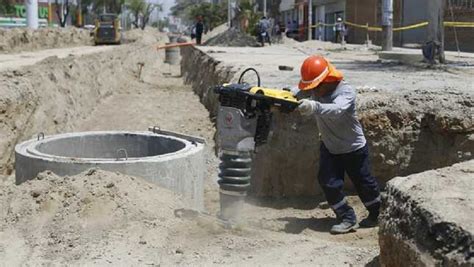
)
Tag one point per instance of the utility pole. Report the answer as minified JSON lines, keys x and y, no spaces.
{"x":79,"y":14}
{"x":229,"y":7}
{"x":50,"y":14}
{"x":387,"y":25}
{"x":32,"y":14}
{"x":436,"y":25}
{"x":310,"y":20}
{"x":265,"y":8}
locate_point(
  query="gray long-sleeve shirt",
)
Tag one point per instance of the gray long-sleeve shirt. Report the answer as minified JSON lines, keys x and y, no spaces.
{"x":335,"y":113}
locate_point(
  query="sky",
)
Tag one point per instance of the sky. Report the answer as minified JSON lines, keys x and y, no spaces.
{"x":167,"y":4}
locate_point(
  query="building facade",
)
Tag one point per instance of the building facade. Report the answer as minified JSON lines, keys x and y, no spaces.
{"x":368,"y":12}
{"x":323,"y":11}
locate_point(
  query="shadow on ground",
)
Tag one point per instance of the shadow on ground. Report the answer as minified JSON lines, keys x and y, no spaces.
{"x":297,"y":225}
{"x":301,"y":203}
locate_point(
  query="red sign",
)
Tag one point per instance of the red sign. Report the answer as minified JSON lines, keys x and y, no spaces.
{"x":229,"y":119}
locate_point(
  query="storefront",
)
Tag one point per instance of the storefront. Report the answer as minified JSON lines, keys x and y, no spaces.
{"x":302,"y":9}
{"x":16,"y":16}
{"x":47,"y":14}
{"x":323,"y":11}
{"x":327,"y":12}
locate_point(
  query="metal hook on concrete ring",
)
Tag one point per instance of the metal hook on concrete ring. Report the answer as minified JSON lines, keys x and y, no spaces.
{"x":40,"y":135}
{"x":156,"y":129}
{"x":124,"y":152}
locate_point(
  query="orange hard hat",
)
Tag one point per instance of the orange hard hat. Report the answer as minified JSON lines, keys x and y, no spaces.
{"x":316,"y":70}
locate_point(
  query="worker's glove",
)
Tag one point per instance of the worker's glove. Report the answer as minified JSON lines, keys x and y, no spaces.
{"x":307,"y":107}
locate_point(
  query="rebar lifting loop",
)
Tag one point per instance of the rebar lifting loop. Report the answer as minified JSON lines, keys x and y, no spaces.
{"x":125,"y":153}
{"x":40,"y":135}
{"x":156,"y":129}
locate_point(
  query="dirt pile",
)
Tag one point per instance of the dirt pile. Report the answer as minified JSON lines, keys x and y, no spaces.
{"x":140,"y":35}
{"x":216,"y":31}
{"x":67,"y":218}
{"x":232,"y":37}
{"x":75,"y":84}
{"x":22,"y":39}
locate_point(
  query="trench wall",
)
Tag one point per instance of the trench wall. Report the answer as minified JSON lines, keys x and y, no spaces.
{"x":407,"y":131}
{"x":427,"y":219}
{"x":54,"y":94}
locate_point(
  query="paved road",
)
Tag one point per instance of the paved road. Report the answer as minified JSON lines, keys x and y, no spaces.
{"x":361,"y":67}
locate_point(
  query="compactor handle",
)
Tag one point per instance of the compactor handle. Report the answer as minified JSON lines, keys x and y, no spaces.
{"x":247,"y":70}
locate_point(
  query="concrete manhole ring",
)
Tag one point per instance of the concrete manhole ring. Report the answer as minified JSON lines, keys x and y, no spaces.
{"x":171,"y":160}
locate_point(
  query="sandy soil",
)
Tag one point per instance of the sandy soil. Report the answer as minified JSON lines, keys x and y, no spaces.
{"x":16,"y":61}
{"x":99,"y":218}
{"x":16,"y":40}
{"x":296,"y":228}
{"x":76,"y":84}
{"x":96,"y":217}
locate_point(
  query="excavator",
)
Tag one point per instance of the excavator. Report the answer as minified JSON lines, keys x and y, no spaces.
{"x":107,"y":29}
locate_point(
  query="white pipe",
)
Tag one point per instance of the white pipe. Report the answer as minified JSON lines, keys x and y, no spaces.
{"x":32,"y":14}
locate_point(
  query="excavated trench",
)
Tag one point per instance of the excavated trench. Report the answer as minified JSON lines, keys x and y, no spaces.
{"x":408,"y":131}
{"x":75,"y":85}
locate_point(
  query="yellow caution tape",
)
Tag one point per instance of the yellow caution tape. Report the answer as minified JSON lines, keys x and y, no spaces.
{"x":374,"y":29}
{"x":404,"y":28}
{"x":323,"y":24}
{"x":378,"y":29}
{"x":369,"y":28}
{"x":409,"y":27}
{"x":459,"y":24}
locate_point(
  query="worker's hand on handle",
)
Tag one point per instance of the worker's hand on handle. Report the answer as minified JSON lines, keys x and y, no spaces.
{"x":307,"y":107}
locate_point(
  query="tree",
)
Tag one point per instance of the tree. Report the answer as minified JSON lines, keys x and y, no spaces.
{"x":147,"y":12}
{"x":275,"y":9}
{"x":6,"y":7}
{"x":62,"y":10}
{"x":161,"y":24}
{"x":136,"y":7}
{"x":248,"y":16}
{"x":102,"y":6}
{"x":212,"y":14}
{"x":141,"y":9}
{"x":182,"y":9}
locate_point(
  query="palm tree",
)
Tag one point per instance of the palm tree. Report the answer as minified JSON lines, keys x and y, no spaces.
{"x":247,"y":15}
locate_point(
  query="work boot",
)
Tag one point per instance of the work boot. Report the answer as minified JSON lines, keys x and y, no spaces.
{"x":344,"y":227}
{"x":370,"y":221}
{"x":373,"y":219}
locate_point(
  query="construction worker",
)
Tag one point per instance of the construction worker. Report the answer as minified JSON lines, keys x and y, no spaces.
{"x":199,"y":29}
{"x":340,"y":31}
{"x":343,"y":146}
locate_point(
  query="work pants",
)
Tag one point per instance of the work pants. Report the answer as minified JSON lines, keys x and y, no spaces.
{"x":332,"y":169}
{"x":198,"y":38}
